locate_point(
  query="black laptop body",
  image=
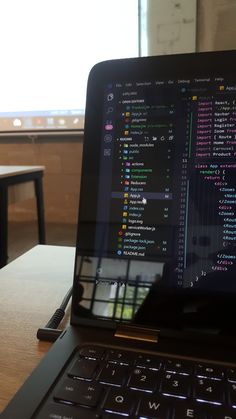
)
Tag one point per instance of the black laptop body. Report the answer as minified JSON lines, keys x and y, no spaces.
{"x":152,"y":331}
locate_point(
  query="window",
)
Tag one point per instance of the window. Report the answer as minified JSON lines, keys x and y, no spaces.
{"x":47,"y":50}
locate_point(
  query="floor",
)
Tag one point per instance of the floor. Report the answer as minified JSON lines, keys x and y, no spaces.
{"x":22,"y":236}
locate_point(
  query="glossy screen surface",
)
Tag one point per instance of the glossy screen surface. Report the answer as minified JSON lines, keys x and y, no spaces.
{"x":157,"y":225}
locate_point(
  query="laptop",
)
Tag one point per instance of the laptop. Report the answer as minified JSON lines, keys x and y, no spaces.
{"x":152,"y":331}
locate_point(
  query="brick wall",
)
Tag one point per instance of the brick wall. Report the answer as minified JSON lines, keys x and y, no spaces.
{"x":61,"y":182}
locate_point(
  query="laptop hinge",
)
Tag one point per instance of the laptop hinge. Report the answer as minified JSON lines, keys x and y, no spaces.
{"x":137,"y":333}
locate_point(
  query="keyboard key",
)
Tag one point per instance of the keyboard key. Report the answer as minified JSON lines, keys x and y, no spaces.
{"x":189,"y":410}
{"x":154,"y":407}
{"x":65,"y":412}
{"x":121,"y":357}
{"x":232,"y":393}
{"x":143,"y":379}
{"x":231,"y":374}
{"x":175,"y":385}
{"x":84,"y":369}
{"x":114,"y":416}
{"x":79,"y":392}
{"x":119,"y":401}
{"x":179,"y":367}
{"x":113,"y":374}
{"x":152,"y":362}
{"x":220,"y":413}
{"x":210,"y":391}
{"x":92,"y":352}
{"x":209,"y":371}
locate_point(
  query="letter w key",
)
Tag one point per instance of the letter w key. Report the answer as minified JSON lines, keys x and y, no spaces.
{"x":153,"y":407}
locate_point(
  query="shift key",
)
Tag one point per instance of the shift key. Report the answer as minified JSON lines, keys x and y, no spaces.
{"x":65,"y":412}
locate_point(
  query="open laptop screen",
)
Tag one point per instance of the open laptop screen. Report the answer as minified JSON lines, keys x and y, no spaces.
{"x":164,"y":209}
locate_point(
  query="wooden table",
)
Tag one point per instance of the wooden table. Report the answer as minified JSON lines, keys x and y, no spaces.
{"x":31,"y":288}
{"x":10,"y":177}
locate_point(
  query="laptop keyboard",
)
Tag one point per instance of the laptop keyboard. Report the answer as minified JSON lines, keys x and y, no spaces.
{"x":107,"y":383}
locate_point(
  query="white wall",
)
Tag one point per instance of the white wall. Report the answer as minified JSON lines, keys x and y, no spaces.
{"x":176,"y":26}
{"x":216,"y":25}
{"x":170,"y":26}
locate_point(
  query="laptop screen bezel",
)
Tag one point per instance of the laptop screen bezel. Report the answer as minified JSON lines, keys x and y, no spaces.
{"x":177,"y":66}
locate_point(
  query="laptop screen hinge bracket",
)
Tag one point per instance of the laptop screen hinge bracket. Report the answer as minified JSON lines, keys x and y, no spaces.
{"x":136,"y":333}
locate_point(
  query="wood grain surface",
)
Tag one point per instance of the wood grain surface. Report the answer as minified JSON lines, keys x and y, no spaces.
{"x":31,"y":288}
